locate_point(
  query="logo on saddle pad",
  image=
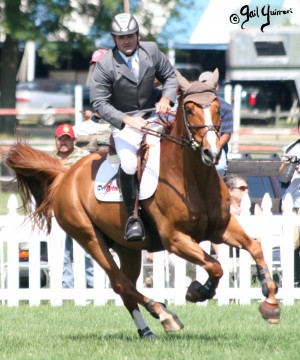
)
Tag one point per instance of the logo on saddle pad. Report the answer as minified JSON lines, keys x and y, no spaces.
{"x":106,"y":187}
{"x":109,"y":188}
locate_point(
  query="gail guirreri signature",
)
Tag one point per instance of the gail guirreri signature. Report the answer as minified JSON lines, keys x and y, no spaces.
{"x":264,"y":12}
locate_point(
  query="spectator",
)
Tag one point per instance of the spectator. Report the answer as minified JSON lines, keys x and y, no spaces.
{"x":226,"y":121}
{"x":238,"y":186}
{"x":97,"y":55}
{"x":292,"y":153}
{"x":90,"y":134}
{"x":88,"y":126}
{"x":123,"y":82}
{"x":67,"y":152}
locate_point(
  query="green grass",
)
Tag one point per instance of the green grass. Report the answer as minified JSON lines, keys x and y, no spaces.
{"x":212,"y":332}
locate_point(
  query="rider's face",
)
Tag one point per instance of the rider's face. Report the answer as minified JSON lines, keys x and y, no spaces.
{"x":127,"y":44}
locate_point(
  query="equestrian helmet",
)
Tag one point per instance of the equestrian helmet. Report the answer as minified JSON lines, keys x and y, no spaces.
{"x":124,"y":24}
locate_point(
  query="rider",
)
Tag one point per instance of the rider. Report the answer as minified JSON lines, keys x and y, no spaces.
{"x":123,"y":82}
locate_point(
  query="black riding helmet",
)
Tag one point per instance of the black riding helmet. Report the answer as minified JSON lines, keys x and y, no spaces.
{"x":124,"y":24}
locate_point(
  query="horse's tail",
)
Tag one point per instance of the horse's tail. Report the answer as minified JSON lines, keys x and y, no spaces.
{"x":37,"y":174}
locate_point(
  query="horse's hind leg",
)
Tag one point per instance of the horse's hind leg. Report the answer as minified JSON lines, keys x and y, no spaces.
{"x":130,"y":261}
{"x":123,"y":279}
{"x":130,"y":265}
{"x":236,"y":236}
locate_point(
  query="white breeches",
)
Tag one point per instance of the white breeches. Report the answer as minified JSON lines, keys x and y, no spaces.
{"x":127,"y":143}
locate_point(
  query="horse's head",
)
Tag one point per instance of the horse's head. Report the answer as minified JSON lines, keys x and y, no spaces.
{"x":201,"y":117}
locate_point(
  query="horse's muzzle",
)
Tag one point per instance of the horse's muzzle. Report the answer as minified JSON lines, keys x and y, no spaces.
{"x":211,"y":158}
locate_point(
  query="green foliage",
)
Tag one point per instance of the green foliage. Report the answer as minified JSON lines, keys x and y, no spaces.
{"x":212,"y":332}
{"x":45,"y":22}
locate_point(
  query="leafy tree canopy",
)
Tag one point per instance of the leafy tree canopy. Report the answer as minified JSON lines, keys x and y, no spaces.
{"x":46,"y":22}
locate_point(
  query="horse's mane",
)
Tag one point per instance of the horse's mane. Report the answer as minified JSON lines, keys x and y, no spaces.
{"x":37,"y":174}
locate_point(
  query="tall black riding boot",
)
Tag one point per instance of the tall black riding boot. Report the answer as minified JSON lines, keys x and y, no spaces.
{"x":134,"y":229}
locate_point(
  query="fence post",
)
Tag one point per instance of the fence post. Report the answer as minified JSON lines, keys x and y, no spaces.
{"x":223,"y":290}
{"x":78,"y":104}
{"x":12,"y":234}
{"x":34,"y":270}
{"x":56,"y":241}
{"x":290,"y":220}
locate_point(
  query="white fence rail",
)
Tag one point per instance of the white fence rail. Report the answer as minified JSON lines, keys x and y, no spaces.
{"x":168,"y":276}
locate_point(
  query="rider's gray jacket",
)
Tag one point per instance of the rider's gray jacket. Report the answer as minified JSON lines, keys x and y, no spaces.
{"x":114,"y":90}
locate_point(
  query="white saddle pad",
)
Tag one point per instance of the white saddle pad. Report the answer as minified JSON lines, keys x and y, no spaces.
{"x":107,"y":189}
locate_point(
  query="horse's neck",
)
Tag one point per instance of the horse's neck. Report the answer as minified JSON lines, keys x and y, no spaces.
{"x":186,"y":163}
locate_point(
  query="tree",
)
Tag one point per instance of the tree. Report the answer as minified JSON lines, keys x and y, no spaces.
{"x":47,"y":22}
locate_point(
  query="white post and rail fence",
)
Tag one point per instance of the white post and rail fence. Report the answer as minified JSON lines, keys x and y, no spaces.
{"x":165,"y":279}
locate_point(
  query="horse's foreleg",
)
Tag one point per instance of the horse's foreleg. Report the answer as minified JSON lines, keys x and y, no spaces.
{"x":184,"y":247}
{"x":236,"y":236}
{"x":269,"y":308}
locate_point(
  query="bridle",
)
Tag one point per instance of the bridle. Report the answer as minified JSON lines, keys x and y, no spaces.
{"x":202,"y":95}
{"x":188,"y":127}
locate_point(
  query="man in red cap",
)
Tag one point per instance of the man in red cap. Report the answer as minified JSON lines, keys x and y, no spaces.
{"x":69,"y":154}
{"x":65,"y":141}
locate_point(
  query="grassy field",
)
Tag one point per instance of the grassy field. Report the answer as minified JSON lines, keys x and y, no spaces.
{"x":231,"y":332}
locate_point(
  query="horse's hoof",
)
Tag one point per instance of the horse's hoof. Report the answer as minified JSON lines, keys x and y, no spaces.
{"x":146,"y":334}
{"x":172,"y":324}
{"x":197,"y":292}
{"x":270,"y":312}
{"x":169,"y":320}
{"x":192,"y":293}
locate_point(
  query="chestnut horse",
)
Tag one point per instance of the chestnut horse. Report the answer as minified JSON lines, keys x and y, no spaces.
{"x":191,"y":204}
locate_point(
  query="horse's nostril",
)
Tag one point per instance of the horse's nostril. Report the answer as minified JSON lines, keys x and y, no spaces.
{"x":208,"y":153}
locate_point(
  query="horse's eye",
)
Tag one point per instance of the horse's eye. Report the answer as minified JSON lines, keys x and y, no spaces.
{"x":189,"y":111}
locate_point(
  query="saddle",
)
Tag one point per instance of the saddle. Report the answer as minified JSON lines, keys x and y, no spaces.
{"x":106,"y":185}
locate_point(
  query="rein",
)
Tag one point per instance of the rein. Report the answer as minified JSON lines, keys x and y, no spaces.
{"x":166,"y":124}
{"x":189,"y":142}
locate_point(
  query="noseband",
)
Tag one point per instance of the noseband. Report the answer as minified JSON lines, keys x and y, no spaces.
{"x":202,"y":95}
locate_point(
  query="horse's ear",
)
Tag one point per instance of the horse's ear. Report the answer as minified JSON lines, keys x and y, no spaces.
{"x":214,"y":78}
{"x":183,"y":82}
